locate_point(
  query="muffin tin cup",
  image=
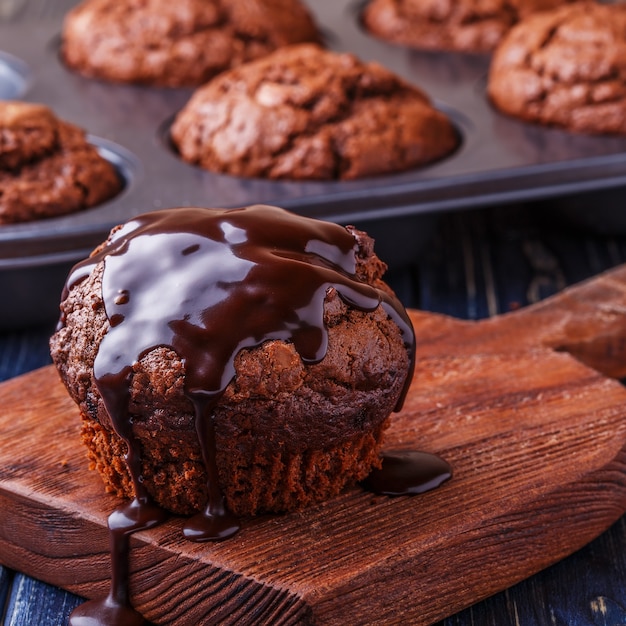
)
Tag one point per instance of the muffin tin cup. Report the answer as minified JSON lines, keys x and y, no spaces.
{"x":15,"y":77}
{"x":500,"y":159}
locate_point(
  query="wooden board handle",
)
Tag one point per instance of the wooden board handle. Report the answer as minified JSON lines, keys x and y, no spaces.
{"x":587,"y":320}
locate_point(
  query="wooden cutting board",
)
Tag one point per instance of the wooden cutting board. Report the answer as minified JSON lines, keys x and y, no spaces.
{"x":537,"y":440}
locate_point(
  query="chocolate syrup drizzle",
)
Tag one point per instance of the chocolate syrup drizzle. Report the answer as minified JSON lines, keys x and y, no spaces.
{"x":408,"y":472}
{"x":208,"y":283}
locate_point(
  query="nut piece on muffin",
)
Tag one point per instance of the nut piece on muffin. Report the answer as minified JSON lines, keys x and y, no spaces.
{"x":565,"y":68}
{"x":307,"y":113}
{"x":182,"y":43}
{"x":47,"y":167}
{"x":462,"y":25}
{"x":249,"y":351}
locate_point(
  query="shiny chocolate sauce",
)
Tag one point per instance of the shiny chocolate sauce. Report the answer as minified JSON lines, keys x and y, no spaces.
{"x":208,"y":283}
{"x":408,"y":472}
{"x":116,"y":608}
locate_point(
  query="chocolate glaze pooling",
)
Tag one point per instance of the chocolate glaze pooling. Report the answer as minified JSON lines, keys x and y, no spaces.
{"x":208,"y":283}
{"x":408,"y":472}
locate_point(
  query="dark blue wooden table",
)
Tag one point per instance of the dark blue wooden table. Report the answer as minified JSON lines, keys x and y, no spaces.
{"x":475,"y":264}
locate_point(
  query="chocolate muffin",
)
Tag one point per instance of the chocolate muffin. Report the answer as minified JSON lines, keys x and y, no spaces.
{"x":307,"y":113}
{"x":159,"y":42}
{"x":463,"y":25}
{"x":250,"y":356}
{"x":565,"y":68}
{"x":47,"y":167}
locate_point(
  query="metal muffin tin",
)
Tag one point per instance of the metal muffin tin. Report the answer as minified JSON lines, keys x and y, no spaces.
{"x":499,"y":160}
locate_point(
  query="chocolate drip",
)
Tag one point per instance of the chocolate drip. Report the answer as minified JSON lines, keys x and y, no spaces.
{"x":408,"y":472}
{"x":116,"y":609}
{"x":215,"y":522}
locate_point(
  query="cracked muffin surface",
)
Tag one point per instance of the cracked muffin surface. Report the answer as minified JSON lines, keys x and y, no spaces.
{"x":180,"y":43}
{"x":288,"y":430}
{"x":565,"y":68}
{"x":47,"y":167}
{"x":307,"y":113}
{"x":463,"y":25}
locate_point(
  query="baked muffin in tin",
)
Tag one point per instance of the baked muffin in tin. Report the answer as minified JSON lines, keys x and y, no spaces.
{"x":304,"y":112}
{"x":47,"y":166}
{"x":565,"y":68}
{"x":461,"y":25}
{"x":182,"y":43}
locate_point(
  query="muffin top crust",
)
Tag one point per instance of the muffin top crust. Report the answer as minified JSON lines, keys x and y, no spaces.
{"x":566,"y":68}
{"x":307,"y":113}
{"x":47,"y":166}
{"x":180,"y":43}
{"x":463,"y":25}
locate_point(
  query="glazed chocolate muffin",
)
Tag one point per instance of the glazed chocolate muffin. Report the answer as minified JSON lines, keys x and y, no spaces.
{"x":565,"y":68}
{"x":463,"y":25}
{"x":47,"y":168}
{"x":270,"y":336}
{"x":307,"y":113}
{"x":158,"y":42}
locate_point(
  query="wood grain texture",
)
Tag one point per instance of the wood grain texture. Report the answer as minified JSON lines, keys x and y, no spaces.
{"x":537,"y":440}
